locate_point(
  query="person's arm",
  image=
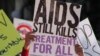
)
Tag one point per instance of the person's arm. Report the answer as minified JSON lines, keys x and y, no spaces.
{"x":78,"y":50}
{"x":25,"y":52}
{"x":28,"y":39}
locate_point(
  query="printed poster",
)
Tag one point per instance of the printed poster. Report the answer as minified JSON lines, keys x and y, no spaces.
{"x":55,"y":26}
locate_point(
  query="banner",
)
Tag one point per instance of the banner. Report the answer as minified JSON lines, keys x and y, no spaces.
{"x":55,"y":26}
{"x":23,"y":26}
{"x":10,"y":40}
{"x":87,"y":39}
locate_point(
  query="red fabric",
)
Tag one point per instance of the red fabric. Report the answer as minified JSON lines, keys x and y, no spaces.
{"x":25,"y":52}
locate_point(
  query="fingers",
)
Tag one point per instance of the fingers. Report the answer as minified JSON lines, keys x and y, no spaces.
{"x":30,"y":36}
{"x":78,"y":49}
{"x":29,"y":33}
{"x":77,"y":46}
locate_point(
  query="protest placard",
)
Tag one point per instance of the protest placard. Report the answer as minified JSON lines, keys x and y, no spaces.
{"x":10,"y":40}
{"x":23,"y":26}
{"x":87,"y":39}
{"x":55,"y":26}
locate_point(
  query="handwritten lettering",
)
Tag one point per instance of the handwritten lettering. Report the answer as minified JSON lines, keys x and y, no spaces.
{"x":3,"y":23}
{"x":88,"y":44}
{"x":10,"y":45}
{"x":3,"y":37}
